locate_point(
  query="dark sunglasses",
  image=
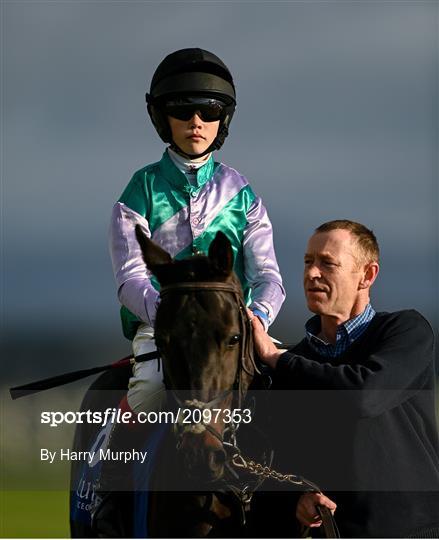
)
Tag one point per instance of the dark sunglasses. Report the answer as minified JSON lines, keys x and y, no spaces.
{"x":209,"y":110}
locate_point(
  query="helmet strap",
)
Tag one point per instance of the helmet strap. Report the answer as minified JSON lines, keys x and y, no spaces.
{"x":181,"y":152}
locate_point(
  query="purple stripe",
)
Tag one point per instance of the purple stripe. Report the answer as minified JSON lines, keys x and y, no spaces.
{"x":125,"y":251}
{"x":175,"y":233}
{"x":135,"y":290}
{"x":261,"y":269}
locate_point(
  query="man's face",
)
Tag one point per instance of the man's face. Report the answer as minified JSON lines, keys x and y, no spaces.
{"x":193,"y":136}
{"x":332,"y":274}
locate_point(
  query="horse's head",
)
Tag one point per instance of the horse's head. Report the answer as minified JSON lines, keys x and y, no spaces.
{"x":204,"y":337}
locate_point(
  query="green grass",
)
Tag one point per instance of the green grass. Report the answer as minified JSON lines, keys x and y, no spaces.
{"x":34,"y":514}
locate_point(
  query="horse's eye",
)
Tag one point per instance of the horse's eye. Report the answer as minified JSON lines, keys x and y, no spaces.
{"x":234,"y":340}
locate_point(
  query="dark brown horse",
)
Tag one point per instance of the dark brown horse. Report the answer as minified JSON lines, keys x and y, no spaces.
{"x":203,"y":334}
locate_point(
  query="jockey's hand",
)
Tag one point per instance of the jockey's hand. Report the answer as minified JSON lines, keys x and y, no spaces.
{"x":306,"y":511}
{"x":265,"y":348}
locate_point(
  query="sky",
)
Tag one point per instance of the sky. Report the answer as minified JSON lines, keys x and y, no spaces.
{"x":337,"y":117}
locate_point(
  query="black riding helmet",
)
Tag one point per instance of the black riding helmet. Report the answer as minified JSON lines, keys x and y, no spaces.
{"x":191,"y":73}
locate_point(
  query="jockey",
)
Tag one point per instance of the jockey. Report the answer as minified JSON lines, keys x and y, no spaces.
{"x":182,"y":201}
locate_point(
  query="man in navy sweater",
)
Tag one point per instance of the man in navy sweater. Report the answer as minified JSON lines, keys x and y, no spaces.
{"x":362,"y":420}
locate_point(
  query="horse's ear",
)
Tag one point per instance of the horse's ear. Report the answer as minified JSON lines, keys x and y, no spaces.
{"x":152,"y":254}
{"x":221,"y":254}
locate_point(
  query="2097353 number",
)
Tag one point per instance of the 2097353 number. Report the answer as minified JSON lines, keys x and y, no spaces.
{"x":205,"y":416}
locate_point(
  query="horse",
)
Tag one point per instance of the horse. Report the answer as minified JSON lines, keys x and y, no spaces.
{"x":203,"y":336}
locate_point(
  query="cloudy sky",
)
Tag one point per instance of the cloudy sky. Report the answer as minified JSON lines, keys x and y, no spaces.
{"x":336,"y":118}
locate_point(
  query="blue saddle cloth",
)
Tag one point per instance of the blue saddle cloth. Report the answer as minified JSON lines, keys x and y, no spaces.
{"x":83,"y":486}
{"x":142,"y":478}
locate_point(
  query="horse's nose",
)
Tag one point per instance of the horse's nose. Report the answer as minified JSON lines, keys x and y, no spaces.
{"x":215,"y":455}
{"x":216,"y":460}
{"x":203,"y":460}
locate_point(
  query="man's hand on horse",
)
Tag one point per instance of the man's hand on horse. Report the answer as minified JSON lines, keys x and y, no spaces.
{"x":306,"y":510}
{"x":264,"y":346}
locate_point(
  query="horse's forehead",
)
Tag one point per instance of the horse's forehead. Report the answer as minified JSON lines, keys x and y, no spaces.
{"x":208,"y":300}
{"x":198,"y":267}
{"x":201,"y":309}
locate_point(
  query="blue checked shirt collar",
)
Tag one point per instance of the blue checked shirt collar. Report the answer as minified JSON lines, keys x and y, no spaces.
{"x":347,"y":333}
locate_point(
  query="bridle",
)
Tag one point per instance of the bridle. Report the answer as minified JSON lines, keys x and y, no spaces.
{"x":245,"y":358}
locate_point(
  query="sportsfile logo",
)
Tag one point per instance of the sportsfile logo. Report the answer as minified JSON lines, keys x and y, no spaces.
{"x":117,"y":416}
{"x":109,"y":416}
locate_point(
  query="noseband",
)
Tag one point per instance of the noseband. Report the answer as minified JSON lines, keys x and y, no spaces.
{"x":246,"y":354}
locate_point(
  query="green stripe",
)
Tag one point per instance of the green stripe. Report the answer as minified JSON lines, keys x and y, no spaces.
{"x":135,"y":194}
